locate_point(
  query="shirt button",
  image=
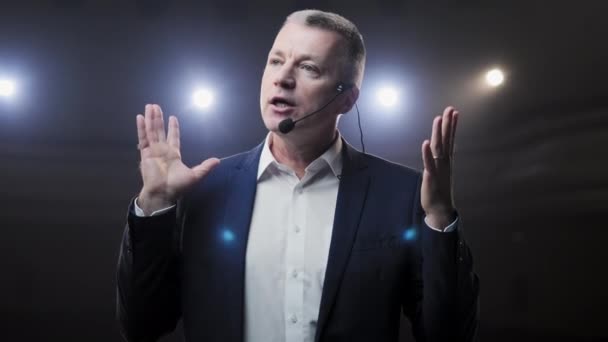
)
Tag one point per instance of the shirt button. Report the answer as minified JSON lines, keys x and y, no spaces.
{"x":294,"y":319}
{"x":297,"y":229}
{"x":294,"y":273}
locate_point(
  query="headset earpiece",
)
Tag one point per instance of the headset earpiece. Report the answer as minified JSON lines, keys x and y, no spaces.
{"x":342,"y":87}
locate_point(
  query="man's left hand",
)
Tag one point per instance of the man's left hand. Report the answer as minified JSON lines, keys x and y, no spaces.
{"x":437,"y":155}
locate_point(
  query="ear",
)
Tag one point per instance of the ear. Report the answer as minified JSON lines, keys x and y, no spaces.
{"x":350,"y":97}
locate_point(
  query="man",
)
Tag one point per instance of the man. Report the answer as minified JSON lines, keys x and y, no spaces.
{"x":302,"y":238}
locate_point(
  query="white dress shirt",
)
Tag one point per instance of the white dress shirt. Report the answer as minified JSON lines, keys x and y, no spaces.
{"x":288,"y":246}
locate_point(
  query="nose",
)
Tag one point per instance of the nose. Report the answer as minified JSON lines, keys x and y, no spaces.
{"x":284,"y":78}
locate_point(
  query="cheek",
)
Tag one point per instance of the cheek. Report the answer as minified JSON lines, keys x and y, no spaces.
{"x":263,"y":89}
{"x":266,"y":77}
{"x":319,"y":98}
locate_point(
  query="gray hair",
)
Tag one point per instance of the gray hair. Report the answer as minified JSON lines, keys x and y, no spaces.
{"x":337,"y":23}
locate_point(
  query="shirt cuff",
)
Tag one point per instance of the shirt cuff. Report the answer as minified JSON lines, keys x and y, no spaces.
{"x":451,"y":227}
{"x":140,"y":212}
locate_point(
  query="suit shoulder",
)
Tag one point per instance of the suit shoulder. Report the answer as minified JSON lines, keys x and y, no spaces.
{"x":241,"y":159}
{"x":381,"y":166}
{"x":218,"y":177}
{"x":236,"y":159}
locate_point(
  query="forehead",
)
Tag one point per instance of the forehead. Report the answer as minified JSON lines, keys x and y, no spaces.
{"x":296,"y":40}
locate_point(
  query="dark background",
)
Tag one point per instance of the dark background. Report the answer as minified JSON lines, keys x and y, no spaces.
{"x":530,"y":175}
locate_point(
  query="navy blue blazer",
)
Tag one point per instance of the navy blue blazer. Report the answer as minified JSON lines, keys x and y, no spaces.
{"x":189,"y":263}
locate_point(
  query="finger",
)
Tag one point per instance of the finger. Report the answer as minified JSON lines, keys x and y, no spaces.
{"x":446,"y":129}
{"x":149,"y":121}
{"x":436,"y":141}
{"x":159,"y":123}
{"x":453,"y":133}
{"x":427,"y":157}
{"x":173,"y":134}
{"x":205,"y":167}
{"x":142,"y":141}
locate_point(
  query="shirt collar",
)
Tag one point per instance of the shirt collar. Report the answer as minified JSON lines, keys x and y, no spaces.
{"x":331,"y":157}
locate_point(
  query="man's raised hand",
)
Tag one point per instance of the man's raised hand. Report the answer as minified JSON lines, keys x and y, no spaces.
{"x":165,"y":177}
{"x":437,"y":155}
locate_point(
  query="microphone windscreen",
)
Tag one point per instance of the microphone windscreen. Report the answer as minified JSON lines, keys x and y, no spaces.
{"x":286,"y":125}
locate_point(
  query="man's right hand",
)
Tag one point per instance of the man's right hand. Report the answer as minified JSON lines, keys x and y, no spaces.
{"x":164,"y":175}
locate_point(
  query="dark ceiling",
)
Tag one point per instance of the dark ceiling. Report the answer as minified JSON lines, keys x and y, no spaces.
{"x":530,"y":177}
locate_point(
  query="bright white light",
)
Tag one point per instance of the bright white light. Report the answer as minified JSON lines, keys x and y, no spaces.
{"x":387,"y":96}
{"x":7,"y":88}
{"x":495,"y":77}
{"x":203,"y":98}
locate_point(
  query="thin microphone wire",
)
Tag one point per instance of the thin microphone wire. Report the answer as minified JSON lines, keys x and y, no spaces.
{"x":327,"y":104}
{"x":318,"y":110}
{"x":360,"y":129}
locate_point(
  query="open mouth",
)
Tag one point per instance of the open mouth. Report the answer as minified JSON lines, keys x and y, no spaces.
{"x":281,"y":102}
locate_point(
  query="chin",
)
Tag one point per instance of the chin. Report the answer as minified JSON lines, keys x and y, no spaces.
{"x":272,"y":120}
{"x":271,"y":123}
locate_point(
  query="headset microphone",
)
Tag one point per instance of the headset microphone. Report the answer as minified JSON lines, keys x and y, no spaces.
{"x":286,"y":126}
{"x":289,"y":124}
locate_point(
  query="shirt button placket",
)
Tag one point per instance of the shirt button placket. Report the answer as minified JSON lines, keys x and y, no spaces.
{"x":295,"y":253}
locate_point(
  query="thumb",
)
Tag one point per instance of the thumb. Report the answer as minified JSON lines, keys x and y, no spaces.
{"x":202,"y":169}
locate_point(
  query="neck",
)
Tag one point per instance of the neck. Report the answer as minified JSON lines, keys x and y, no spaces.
{"x":299,"y":154}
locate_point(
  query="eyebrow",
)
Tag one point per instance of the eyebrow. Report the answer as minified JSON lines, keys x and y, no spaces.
{"x":276,"y":52}
{"x":302,"y":57}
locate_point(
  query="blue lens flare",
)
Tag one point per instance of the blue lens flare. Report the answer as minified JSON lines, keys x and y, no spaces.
{"x":410,"y":234}
{"x":227,"y":235}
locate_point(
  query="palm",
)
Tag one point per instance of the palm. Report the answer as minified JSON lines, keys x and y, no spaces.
{"x":161,"y":166}
{"x":163,"y":172}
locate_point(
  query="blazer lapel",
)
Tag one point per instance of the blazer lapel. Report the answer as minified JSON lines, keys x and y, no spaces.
{"x":352,"y":192}
{"x":242,"y":185}
{"x":238,"y":210}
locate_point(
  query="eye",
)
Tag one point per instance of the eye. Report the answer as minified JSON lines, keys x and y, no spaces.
{"x":308,"y":67}
{"x":274,"y":61}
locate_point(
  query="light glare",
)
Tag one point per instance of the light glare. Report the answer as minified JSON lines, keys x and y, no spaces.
{"x":7,"y":88}
{"x":227,"y":235}
{"x":495,"y":77}
{"x":387,"y":96}
{"x":202,"y":98}
{"x":410,"y":234}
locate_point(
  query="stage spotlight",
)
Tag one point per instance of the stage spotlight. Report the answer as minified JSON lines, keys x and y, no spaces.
{"x":203,"y":98}
{"x":387,"y":96}
{"x":495,"y":77}
{"x":7,"y":88}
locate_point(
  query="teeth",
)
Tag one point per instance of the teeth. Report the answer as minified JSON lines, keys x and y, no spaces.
{"x":281,"y":105}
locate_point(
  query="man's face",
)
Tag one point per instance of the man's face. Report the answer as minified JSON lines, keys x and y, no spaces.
{"x":301,"y":75}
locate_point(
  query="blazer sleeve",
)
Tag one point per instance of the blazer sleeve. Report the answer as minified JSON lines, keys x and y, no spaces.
{"x":148,"y":285}
{"x":441,"y":297}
